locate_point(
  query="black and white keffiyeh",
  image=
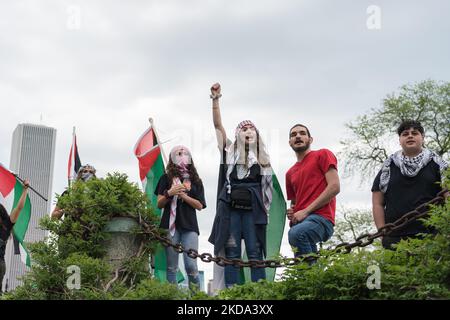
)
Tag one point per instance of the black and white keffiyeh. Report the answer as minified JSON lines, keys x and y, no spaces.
{"x":409,"y":166}
{"x":233,"y":156}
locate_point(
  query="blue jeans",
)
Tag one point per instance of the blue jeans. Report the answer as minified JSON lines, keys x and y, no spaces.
{"x":305,"y":235}
{"x":242,"y":226}
{"x":189,"y":240}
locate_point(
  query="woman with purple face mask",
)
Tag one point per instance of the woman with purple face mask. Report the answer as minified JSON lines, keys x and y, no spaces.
{"x":180,"y":192}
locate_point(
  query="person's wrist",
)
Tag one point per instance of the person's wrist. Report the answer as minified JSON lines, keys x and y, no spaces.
{"x":215,"y":96}
{"x":167,"y":195}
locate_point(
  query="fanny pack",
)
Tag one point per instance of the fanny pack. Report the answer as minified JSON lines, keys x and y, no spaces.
{"x":241,"y":199}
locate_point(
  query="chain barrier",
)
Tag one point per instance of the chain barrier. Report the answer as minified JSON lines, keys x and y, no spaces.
{"x":363,"y":240}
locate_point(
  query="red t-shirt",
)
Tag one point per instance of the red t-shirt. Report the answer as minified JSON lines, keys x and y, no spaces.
{"x":305,"y":181}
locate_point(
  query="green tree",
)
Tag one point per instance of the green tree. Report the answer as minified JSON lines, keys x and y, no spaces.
{"x":79,"y":240}
{"x":418,"y":269}
{"x":350,"y":224}
{"x":372,"y":137}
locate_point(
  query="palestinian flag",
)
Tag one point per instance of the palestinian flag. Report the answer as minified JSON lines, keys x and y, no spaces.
{"x":151,"y":168}
{"x":151,"y":165}
{"x":275,"y":228}
{"x":74,"y":160}
{"x":10,"y":192}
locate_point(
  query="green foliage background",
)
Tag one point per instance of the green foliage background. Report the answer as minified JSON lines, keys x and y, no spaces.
{"x":417,"y":269}
{"x":78,"y":240}
{"x":373,"y":137}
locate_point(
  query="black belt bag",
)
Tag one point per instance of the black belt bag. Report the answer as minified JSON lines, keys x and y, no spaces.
{"x":241,"y":199}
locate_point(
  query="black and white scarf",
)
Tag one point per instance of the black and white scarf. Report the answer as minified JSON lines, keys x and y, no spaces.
{"x":409,"y":166}
{"x":233,"y":159}
{"x":243,"y":172}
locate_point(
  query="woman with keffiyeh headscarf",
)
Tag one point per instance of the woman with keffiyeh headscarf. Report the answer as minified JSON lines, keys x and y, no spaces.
{"x":244,"y":195}
{"x":180,"y":192}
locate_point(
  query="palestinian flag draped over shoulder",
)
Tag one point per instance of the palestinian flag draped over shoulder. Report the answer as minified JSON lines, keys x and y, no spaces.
{"x":151,"y":168}
{"x":10,"y":192}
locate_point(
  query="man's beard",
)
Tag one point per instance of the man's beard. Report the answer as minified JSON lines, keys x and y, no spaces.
{"x":302,"y":149}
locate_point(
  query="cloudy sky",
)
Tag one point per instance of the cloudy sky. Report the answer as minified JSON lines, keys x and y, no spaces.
{"x":107,"y":66}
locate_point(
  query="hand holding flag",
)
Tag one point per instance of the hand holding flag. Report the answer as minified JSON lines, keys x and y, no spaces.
{"x":16,"y":201}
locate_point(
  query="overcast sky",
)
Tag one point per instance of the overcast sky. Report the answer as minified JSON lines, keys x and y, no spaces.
{"x":107,"y":66}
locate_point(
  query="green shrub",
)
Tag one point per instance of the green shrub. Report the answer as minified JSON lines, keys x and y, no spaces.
{"x":78,"y":240}
{"x":417,"y":269}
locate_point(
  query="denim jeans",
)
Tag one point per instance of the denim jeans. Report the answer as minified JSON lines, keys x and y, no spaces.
{"x":305,"y":235}
{"x":242,"y":226}
{"x":189,"y":240}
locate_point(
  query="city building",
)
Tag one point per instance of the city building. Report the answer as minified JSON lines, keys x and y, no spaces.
{"x":32,"y":158}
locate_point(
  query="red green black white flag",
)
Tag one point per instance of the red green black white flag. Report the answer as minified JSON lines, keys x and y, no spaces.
{"x":10,"y":192}
{"x":74,"y":163}
{"x":151,"y":167}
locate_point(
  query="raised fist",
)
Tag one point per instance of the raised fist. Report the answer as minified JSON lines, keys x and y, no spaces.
{"x":215,"y":89}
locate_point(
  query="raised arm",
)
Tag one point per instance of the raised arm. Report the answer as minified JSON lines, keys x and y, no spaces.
{"x":217,"y":119}
{"x":16,"y":211}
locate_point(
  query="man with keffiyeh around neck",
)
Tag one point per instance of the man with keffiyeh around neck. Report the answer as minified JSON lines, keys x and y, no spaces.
{"x":408,"y":178}
{"x":180,"y":192}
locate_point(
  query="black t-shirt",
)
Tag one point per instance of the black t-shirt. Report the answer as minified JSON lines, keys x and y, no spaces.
{"x":5,"y":230}
{"x":186,"y":215}
{"x":254,"y":175}
{"x":405,"y":194}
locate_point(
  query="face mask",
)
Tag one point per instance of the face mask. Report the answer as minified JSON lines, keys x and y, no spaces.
{"x":182,"y":160}
{"x":87,"y":176}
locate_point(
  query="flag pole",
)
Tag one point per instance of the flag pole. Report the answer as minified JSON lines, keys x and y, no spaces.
{"x":30,"y":187}
{"x":157,"y":137}
{"x":72,"y":152}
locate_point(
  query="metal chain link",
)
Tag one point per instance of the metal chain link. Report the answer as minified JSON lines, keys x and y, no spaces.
{"x":362,"y":241}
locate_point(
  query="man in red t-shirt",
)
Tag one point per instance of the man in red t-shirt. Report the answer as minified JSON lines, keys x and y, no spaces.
{"x":312,"y":184}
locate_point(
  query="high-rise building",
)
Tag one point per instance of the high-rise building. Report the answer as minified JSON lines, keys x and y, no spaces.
{"x":32,"y":158}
